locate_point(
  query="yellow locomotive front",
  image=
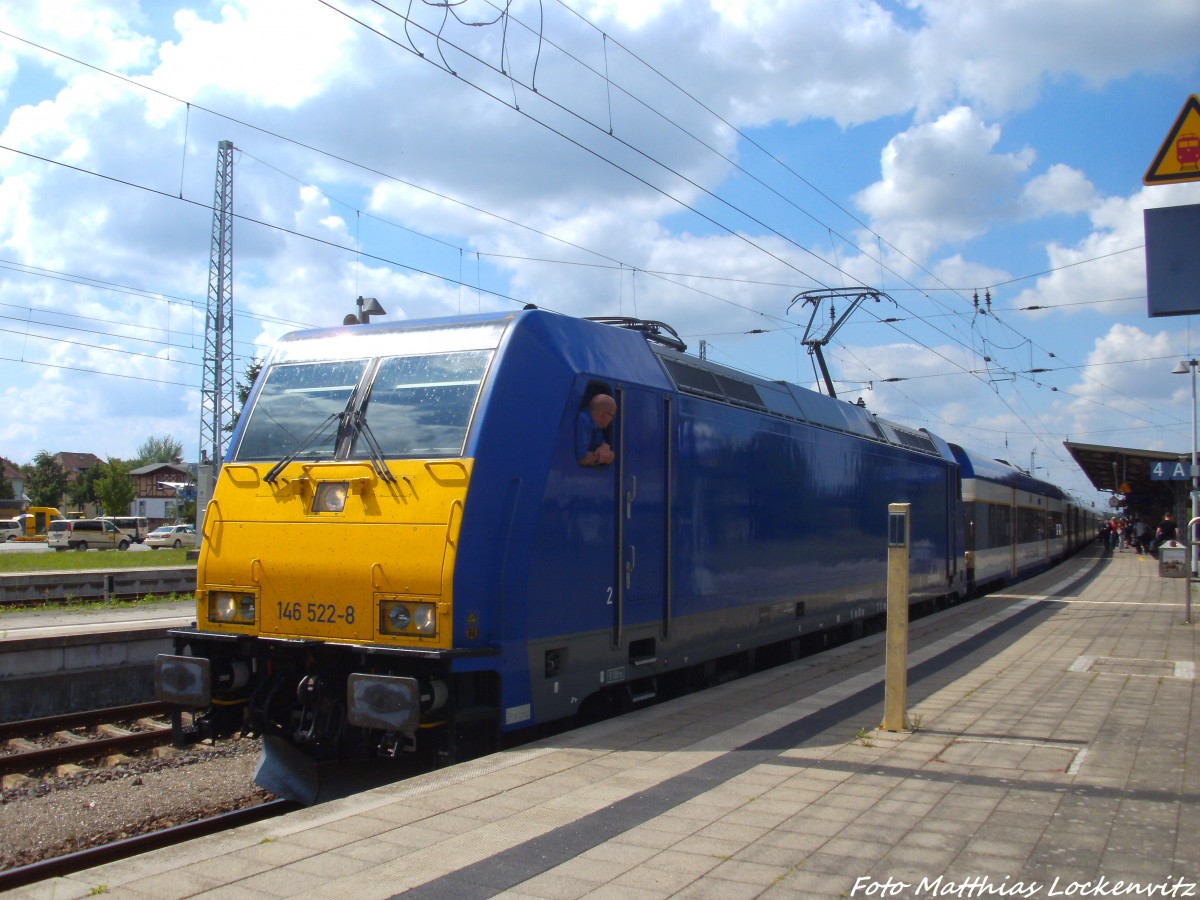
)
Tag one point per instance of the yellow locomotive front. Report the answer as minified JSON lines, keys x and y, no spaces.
{"x":325,"y":576}
{"x":313,"y":551}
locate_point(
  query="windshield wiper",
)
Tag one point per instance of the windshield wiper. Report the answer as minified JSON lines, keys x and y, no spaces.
{"x":377,"y":459}
{"x":273,"y":473}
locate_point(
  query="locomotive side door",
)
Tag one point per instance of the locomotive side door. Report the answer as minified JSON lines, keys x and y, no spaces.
{"x":642,"y":505}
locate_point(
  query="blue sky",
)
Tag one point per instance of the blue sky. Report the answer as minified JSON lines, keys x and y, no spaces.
{"x":930,"y":149}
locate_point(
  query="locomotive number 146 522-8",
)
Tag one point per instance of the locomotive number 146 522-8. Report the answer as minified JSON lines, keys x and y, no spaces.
{"x":320,"y":613}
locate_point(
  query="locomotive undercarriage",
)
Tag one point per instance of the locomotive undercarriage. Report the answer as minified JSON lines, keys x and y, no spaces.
{"x":313,"y":702}
{"x":617,"y":699}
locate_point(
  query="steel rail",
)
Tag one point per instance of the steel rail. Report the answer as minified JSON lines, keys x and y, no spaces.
{"x":48,"y":724}
{"x":123,"y":849}
{"x":44,"y":757}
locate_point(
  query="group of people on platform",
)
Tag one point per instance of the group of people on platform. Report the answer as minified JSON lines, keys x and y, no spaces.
{"x":1135,"y":534}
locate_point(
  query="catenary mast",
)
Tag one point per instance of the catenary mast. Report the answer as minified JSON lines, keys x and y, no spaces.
{"x":217,"y":393}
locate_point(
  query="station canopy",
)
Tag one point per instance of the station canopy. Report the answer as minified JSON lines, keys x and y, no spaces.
{"x":1126,"y":472}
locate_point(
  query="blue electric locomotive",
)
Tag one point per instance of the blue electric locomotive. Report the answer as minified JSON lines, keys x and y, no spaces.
{"x":403,"y":552}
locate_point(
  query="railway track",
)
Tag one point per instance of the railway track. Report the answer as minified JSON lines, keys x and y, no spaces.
{"x":33,"y":745}
{"x":95,"y":856}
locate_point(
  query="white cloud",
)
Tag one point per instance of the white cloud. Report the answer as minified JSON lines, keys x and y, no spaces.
{"x":104,"y":33}
{"x":1106,"y":265}
{"x":1127,"y":387}
{"x":1060,"y":190}
{"x":1000,"y":56}
{"x":856,"y":62}
{"x":941,"y":182}
{"x":261,"y":52}
{"x":632,"y":14}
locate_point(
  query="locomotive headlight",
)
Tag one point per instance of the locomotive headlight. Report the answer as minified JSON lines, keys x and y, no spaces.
{"x":331,"y":497}
{"x":231,"y":606}
{"x":399,"y":617}
{"x":425,"y":618}
{"x":406,"y":617}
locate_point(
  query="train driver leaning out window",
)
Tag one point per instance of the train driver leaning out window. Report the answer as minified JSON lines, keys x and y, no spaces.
{"x":591,"y":443}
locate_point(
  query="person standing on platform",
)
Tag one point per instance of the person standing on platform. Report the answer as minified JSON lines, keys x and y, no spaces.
{"x":1141,"y":536}
{"x":1167,"y":531}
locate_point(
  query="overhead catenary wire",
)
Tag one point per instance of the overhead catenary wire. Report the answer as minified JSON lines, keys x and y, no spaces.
{"x":752,"y":142}
{"x":589,"y":150}
{"x":411,"y":48}
{"x":266,"y":131}
{"x":190,"y":104}
{"x":782,"y":324}
{"x":130,"y":184}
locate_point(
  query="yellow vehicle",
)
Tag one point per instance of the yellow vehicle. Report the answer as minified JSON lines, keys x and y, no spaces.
{"x":34,"y":522}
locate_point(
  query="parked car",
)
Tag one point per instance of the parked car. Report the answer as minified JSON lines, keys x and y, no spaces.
{"x":135,"y":527}
{"x":80,"y":534}
{"x":10,"y":529}
{"x":176,"y":536}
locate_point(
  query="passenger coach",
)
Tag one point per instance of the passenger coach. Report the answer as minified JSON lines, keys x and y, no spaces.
{"x":1015,"y":524}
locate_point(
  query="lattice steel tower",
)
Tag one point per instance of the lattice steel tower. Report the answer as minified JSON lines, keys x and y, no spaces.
{"x":217,"y":397}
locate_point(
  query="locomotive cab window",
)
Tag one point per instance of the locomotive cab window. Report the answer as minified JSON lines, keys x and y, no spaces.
{"x":416,"y":406}
{"x":422,"y":405}
{"x":297,"y":410}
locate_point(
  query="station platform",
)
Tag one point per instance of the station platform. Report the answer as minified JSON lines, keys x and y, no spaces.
{"x":56,"y":661}
{"x":1054,"y":725}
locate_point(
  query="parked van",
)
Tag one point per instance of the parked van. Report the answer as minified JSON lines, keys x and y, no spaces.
{"x":35,"y":521}
{"x":80,"y":534}
{"x":135,"y":527}
{"x":11,"y":529}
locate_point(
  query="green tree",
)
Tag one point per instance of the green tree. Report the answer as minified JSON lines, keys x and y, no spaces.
{"x":159,"y":450}
{"x":244,"y":386}
{"x":114,"y":488}
{"x":247,"y":383}
{"x":47,"y":481}
{"x":6,"y":488}
{"x":185,"y":510}
{"x":83,"y":489}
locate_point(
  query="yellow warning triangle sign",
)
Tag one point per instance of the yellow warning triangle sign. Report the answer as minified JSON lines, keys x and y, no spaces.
{"x":1178,"y":158}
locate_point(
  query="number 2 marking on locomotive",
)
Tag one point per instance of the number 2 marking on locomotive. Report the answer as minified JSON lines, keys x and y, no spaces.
{"x":609,"y":595}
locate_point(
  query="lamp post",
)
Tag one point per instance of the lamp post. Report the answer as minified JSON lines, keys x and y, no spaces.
{"x":1184,"y":366}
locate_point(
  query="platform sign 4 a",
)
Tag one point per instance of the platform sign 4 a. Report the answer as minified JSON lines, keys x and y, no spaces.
{"x":1171,"y":471}
{"x":1178,"y":159}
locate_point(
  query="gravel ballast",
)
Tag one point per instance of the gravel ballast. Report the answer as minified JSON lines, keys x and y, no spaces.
{"x":60,"y":815}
